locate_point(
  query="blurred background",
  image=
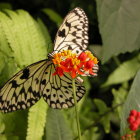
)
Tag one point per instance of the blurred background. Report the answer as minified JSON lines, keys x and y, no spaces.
{"x":27,"y":33}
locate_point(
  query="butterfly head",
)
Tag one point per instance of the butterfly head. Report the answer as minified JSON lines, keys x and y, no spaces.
{"x":51,"y":55}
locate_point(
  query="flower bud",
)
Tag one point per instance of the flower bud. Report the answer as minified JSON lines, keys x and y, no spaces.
{"x":133,"y":126}
{"x":131,"y":119}
{"x":137,"y":121}
{"x":133,"y":112}
{"x":138,"y":114}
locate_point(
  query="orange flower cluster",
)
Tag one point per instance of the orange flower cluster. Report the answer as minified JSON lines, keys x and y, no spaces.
{"x":69,"y":62}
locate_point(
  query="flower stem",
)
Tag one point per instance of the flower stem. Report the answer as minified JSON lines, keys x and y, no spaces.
{"x":76,"y":109}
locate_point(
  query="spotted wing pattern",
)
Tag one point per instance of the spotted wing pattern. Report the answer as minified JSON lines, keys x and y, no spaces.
{"x":73,"y":33}
{"x":35,"y":81}
{"x":23,"y":89}
{"x":57,"y":91}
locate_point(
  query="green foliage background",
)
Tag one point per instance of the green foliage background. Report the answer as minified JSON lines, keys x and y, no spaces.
{"x":27,"y":30}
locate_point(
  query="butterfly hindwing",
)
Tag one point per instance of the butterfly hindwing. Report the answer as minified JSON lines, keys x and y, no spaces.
{"x":73,"y":33}
{"x":23,"y":89}
{"x":58,"y":92}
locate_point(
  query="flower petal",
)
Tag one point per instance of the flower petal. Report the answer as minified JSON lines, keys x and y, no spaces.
{"x":82,"y":56}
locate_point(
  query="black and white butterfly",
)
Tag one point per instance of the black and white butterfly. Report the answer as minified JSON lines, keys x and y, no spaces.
{"x":37,"y":80}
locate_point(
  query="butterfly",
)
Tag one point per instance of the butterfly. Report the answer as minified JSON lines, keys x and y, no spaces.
{"x":26,"y":87}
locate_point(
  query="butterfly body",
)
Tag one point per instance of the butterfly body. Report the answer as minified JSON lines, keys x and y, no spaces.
{"x":26,"y":87}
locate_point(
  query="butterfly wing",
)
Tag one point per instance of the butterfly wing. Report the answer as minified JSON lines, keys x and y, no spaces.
{"x":57,"y":91}
{"x":23,"y":89}
{"x":27,"y":86}
{"x":73,"y":33}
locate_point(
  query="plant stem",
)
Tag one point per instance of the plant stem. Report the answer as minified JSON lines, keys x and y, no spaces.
{"x":76,"y":109}
{"x":96,"y":122}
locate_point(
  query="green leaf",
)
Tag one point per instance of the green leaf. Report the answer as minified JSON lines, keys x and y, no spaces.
{"x":7,"y":64}
{"x":96,"y":50}
{"x":124,"y":72}
{"x":87,"y":87}
{"x":100,"y":105}
{"x":119,"y":97}
{"x":3,"y":137}
{"x":105,"y":121}
{"x":46,"y":35}
{"x":22,"y":42}
{"x":132,"y":102}
{"x":2,"y":125}
{"x":11,"y":123}
{"x":24,"y":37}
{"x":5,"y":5}
{"x":36,"y":120}
{"x":8,"y":67}
{"x":56,"y":127}
{"x":102,"y":108}
{"x":55,"y":17}
{"x":4,"y":46}
{"x":92,"y":134}
{"x":10,"y":137}
{"x":119,"y":22}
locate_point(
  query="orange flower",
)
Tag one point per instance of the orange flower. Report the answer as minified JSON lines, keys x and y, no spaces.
{"x":59,"y":71}
{"x":89,"y":64}
{"x":69,"y":62}
{"x":82,"y":56}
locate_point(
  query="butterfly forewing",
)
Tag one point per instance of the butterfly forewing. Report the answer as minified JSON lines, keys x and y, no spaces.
{"x":23,"y":89}
{"x":73,"y":33}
